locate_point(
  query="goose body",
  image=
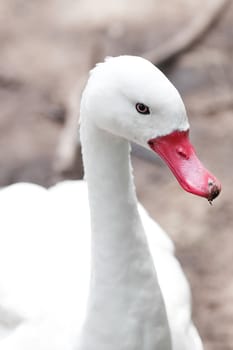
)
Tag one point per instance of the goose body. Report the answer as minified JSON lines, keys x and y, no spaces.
{"x":99,"y":273}
{"x":45,"y":275}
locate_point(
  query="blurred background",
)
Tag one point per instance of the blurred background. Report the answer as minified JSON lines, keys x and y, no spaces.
{"x":46,"y":50}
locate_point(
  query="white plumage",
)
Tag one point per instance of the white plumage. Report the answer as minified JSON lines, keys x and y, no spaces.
{"x":45,"y":267}
{"x":45,"y":238}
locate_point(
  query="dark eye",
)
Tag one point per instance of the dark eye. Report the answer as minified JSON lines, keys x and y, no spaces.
{"x":142,"y":109}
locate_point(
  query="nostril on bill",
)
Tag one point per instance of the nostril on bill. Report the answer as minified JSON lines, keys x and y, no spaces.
{"x":181,"y":152}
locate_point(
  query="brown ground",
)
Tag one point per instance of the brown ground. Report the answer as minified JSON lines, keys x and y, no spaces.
{"x":44,"y":50}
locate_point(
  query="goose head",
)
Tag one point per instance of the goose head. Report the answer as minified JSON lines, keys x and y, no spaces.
{"x":129,"y":97}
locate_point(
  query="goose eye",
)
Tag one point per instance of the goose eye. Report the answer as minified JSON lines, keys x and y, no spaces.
{"x":142,"y":109}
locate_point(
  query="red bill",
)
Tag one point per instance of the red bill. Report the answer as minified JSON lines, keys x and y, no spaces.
{"x":177,"y":151}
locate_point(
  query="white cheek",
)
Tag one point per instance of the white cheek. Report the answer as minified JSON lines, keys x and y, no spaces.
{"x":151,"y":126}
{"x":141,"y":129}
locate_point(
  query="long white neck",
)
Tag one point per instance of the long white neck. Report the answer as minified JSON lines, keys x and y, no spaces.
{"x":125,"y":309}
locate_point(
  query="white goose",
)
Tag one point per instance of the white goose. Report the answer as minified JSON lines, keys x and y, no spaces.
{"x":52,"y":295}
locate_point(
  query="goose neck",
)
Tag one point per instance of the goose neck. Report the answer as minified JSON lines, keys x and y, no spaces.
{"x":124,"y":284}
{"x":115,"y":221}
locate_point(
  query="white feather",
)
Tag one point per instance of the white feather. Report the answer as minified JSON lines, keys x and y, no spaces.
{"x":45,"y":244}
